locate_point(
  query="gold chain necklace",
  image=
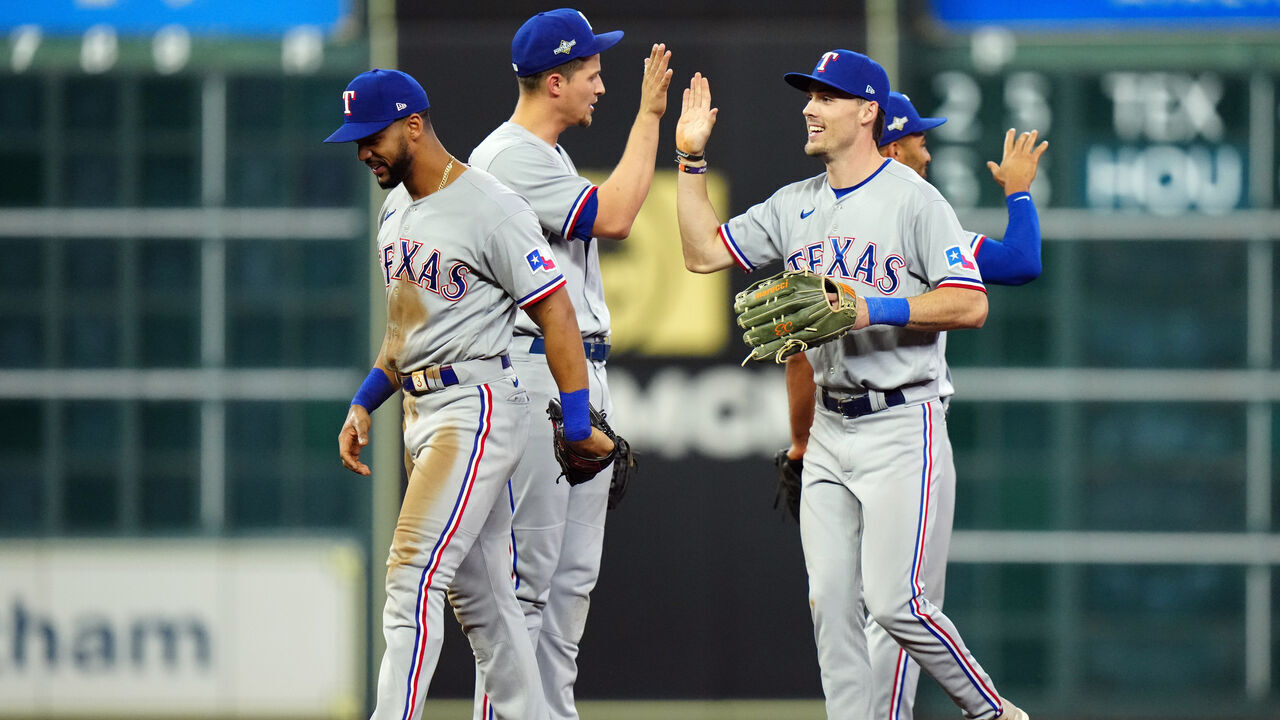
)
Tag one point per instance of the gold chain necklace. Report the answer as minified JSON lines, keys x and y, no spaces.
{"x":445,"y":178}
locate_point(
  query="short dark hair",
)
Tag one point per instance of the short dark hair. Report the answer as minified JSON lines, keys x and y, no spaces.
{"x":877,"y":129}
{"x":531,"y":83}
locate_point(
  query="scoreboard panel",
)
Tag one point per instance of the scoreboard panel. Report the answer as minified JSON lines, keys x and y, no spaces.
{"x":1147,"y":126}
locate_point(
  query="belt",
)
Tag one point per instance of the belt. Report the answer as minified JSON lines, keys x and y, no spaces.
{"x":598,"y":351}
{"x":439,"y":377}
{"x":855,"y":407}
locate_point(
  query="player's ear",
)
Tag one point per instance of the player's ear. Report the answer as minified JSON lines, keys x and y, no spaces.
{"x":413,"y":126}
{"x":555,"y":84}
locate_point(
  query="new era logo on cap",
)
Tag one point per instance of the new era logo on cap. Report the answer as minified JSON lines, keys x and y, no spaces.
{"x":847,"y":71}
{"x":374,"y":100}
{"x":555,"y":37}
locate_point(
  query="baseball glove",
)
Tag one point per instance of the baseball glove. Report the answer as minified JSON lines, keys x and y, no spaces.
{"x":624,"y":468}
{"x":577,"y":468}
{"x":788,"y":482}
{"x":790,"y":313}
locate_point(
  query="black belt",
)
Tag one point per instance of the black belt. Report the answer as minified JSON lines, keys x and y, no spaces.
{"x":448,"y":377}
{"x":598,"y":351}
{"x":856,"y":407}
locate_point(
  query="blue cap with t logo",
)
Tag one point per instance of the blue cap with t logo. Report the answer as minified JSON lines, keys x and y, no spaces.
{"x":847,"y":71}
{"x":374,"y":100}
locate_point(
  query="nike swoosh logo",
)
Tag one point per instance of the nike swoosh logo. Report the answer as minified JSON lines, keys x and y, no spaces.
{"x":384,"y":217}
{"x":805,"y":214}
{"x":1024,"y":197}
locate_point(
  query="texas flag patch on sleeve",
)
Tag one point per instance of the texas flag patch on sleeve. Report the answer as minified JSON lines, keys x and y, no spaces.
{"x":538,"y":262}
{"x":956,"y":256}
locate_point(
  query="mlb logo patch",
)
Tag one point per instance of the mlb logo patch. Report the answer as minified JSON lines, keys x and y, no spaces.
{"x":538,"y":262}
{"x":956,"y":256}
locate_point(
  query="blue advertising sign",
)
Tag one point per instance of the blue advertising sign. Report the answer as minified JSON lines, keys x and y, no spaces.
{"x":199,"y":17}
{"x":1106,"y":14}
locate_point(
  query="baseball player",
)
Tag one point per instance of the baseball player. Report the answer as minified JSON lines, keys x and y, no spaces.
{"x":872,"y":466}
{"x":1015,"y":261}
{"x":558,"y":529}
{"x":459,"y":253}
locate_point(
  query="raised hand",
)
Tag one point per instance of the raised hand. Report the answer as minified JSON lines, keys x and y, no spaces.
{"x":697,"y":117}
{"x":657,"y":78}
{"x":1017,"y":169}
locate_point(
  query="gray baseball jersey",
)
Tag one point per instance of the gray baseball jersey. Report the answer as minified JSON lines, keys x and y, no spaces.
{"x":874,"y":484}
{"x":468,"y":291}
{"x":918,"y":247}
{"x":557,"y":530}
{"x":457,"y":264}
{"x":548,"y":179}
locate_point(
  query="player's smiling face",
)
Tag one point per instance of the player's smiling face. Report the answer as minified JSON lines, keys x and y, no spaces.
{"x":387,"y":154}
{"x":832,"y":119}
{"x":582,"y":90}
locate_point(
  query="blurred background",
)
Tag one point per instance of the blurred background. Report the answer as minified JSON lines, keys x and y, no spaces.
{"x":185,"y":310}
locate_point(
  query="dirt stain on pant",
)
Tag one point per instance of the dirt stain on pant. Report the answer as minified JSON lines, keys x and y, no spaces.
{"x":429,"y":475}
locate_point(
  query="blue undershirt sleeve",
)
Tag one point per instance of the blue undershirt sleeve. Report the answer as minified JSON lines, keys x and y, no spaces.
{"x":1016,"y":259}
{"x":582,"y":229}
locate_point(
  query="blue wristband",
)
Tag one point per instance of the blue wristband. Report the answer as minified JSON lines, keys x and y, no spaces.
{"x":577,"y":414}
{"x":374,"y":391}
{"x":888,"y":311}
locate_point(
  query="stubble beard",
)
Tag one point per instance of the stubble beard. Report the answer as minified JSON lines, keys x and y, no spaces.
{"x":816,"y":151}
{"x":398,"y":170}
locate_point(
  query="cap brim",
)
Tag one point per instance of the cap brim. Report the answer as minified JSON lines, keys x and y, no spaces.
{"x":350,"y":132}
{"x":918,"y":126}
{"x":603,"y":42}
{"x":801,"y":81}
{"x":929,"y":123}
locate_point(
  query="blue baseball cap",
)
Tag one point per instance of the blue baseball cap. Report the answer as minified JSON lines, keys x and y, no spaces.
{"x":901,"y":119}
{"x":555,"y":37}
{"x":374,"y":100}
{"x":847,"y":71}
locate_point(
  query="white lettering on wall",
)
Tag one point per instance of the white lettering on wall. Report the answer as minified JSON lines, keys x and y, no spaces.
{"x":1165,"y":107}
{"x":1165,"y":179}
{"x":722,"y":412}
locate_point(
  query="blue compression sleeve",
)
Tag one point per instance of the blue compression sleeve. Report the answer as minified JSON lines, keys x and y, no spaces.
{"x":577,"y":414}
{"x":374,"y":391}
{"x":1016,"y":259}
